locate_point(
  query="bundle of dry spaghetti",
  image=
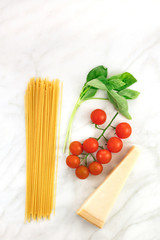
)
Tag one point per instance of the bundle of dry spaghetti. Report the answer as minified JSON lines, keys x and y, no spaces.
{"x":42,"y":114}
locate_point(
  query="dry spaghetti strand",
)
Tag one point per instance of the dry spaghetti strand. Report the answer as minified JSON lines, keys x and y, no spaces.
{"x":43,"y":100}
{"x":57,"y":153}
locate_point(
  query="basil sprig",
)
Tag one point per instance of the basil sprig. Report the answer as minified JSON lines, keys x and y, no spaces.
{"x":116,"y":88}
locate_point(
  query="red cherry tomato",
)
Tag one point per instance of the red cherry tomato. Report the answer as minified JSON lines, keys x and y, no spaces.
{"x":72,"y":161}
{"x":90,"y":145}
{"x":123,"y":130}
{"x":103,"y":156}
{"x":95,"y":168}
{"x":76,"y":148}
{"x":98,"y":116}
{"x":114,"y":144}
{"x":82,"y":172}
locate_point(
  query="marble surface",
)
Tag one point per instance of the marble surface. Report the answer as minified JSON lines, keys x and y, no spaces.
{"x":65,"y":39}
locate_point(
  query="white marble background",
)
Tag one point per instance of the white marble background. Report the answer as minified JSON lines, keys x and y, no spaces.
{"x":65,"y":39}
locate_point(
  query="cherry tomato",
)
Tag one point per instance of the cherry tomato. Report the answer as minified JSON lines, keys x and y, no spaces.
{"x":72,"y":161}
{"x":90,"y":145}
{"x":95,"y":168}
{"x":82,"y":172}
{"x":76,"y":148}
{"x":103,"y":156}
{"x":114,"y":144}
{"x":123,"y":130}
{"x":98,"y":116}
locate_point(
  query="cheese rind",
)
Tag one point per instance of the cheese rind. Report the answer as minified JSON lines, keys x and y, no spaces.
{"x":99,"y":204}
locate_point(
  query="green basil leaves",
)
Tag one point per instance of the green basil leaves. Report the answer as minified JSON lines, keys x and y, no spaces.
{"x":89,"y":93}
{"x":120,"y":103}
{"x":97,"y":72}
{"x":125,"y":78}
{"x":116,"y":88}
{"x":129,"y":93}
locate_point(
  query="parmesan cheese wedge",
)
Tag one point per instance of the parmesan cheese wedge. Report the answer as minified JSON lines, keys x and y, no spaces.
{"x":99,"y":204}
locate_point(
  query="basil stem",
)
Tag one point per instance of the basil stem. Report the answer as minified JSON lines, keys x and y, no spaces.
{"x":68,"y":134}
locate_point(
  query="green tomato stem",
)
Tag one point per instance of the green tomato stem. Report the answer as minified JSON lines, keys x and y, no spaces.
{"x":85,"y":158}
{"x":96,"y":126}
{"x":105,"y":138}
{"x":107,"y":126}
{"x":93,"y":157}
{"x":101,"y":147}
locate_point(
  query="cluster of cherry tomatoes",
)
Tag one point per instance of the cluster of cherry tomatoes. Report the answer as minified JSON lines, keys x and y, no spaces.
{"x":90,"y":145}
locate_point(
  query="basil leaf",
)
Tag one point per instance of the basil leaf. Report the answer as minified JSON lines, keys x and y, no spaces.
{"x":116,"y":84}
{"x":126,"y":78}
{"x":119,"y":102}
{"x":97,"y":83}
{"x":97,"y":72}
{"x":129,"y":93}
{"x":89,"y":93}
{"x":100,"y":83}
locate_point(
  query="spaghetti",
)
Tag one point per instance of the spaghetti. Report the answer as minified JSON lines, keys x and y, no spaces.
{"x":43,"y":100}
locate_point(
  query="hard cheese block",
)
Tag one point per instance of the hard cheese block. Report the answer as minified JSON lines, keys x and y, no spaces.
{"x":99,"y":204}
